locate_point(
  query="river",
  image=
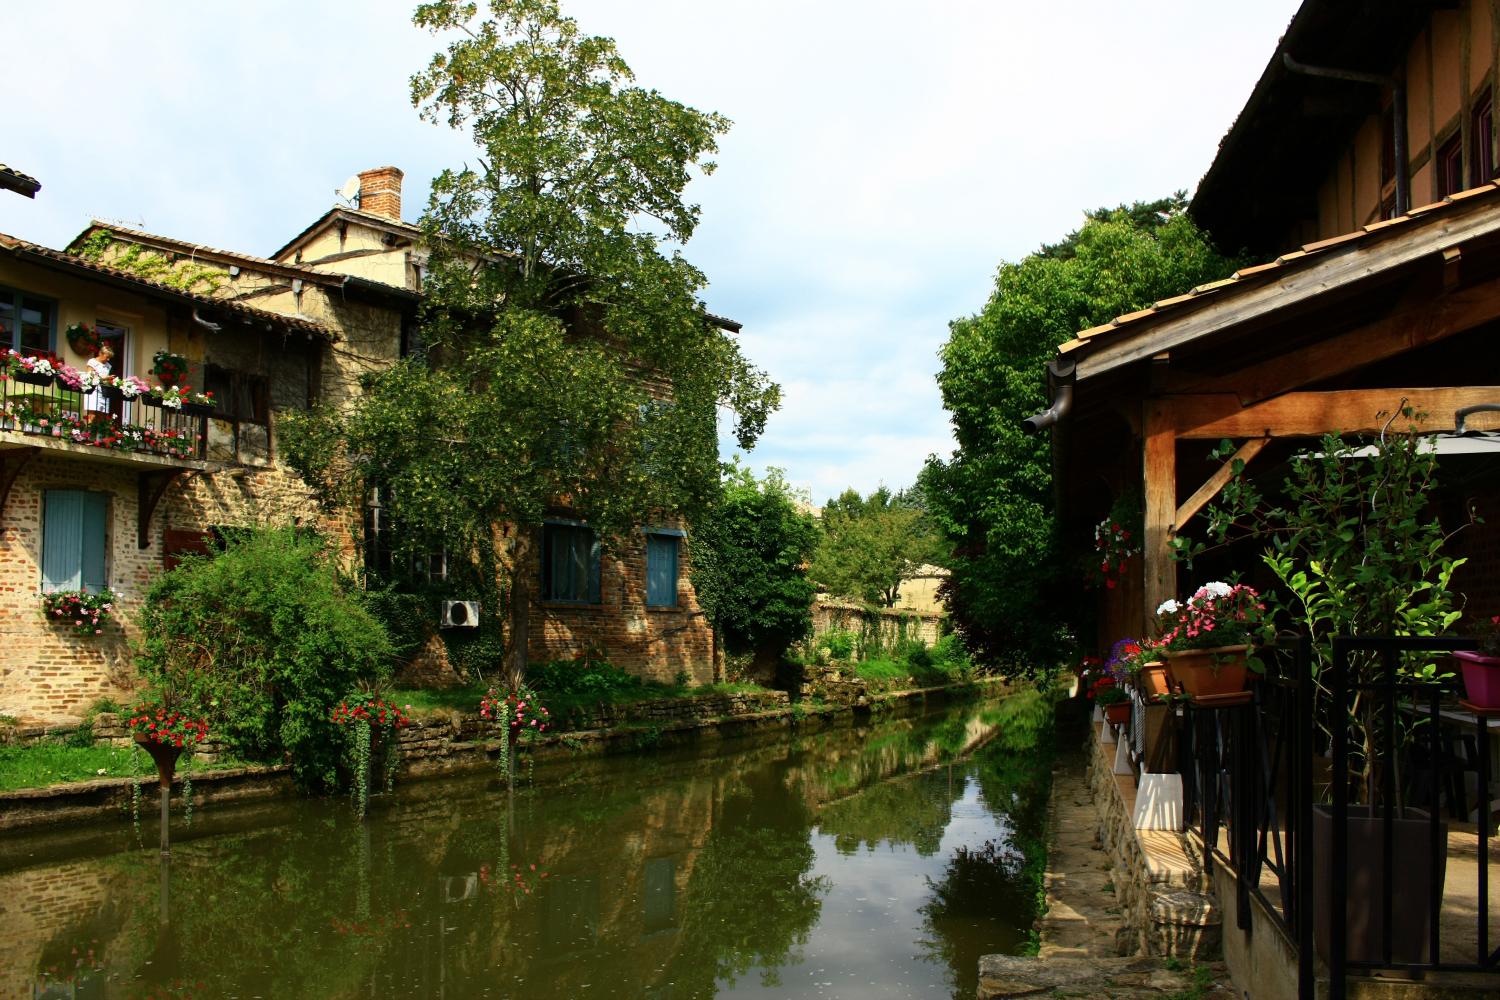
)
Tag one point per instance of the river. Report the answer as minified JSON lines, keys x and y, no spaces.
{"x":874,"y":860}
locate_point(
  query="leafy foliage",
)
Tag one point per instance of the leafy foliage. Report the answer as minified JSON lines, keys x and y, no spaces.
{"x":869,"y":545}
{"x":750,"y":554}
{"x":1010,"y":592}
{"x":264,"y":636}
{"x":101,"y":247}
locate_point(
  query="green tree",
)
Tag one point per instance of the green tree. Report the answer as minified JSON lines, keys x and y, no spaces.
{"x":264,"y":635}
{"x":1009,"y":593}
{"x":569,"y":360}
{"x":869,"y":545}
{"x":750,"y":553}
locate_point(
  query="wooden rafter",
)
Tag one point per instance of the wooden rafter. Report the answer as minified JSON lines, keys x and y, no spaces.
{"x":1418,"y":325}
{"x":1312,"y":414}
{"x":1160,"y":490}
{"x":1216,"y":482}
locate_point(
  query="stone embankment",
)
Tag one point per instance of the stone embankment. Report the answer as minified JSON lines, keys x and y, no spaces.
{"x":445,"y":743}
{"x":1095,"y":940}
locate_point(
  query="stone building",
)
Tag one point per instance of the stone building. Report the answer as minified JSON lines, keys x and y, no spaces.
{"x":84,"y":509}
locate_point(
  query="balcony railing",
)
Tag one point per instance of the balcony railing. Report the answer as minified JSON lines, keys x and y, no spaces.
{"x":1271,"y":784}
{"x":42,"y":406}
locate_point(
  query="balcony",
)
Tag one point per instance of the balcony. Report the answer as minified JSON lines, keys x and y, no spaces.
{"x":40,"y":414}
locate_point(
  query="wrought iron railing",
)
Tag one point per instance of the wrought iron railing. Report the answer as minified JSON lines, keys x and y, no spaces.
{"x":1251,"y":789}
{"x":102,"y":418}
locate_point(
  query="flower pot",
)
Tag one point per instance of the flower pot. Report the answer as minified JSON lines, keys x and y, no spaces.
{"x":111,"y":392}
{"x":163,"y":754}
{"x":197,"y":410}
{"x":28,"y":378}
{"x":1206,"y":672}
{"x":1364,"y":915}
{"x":146,"y":399}
{"x":1154,"y":680}
{"x":1481,"y":678}
{"x":1117,"y":713}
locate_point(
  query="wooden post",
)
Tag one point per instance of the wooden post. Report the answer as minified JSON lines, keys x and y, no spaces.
{"x":1159,"y":472}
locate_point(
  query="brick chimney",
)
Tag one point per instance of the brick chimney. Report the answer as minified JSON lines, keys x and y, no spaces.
{"x":380,"y":192}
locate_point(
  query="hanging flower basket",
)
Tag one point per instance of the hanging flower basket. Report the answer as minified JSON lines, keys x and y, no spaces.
{"x":84,"y":339}
{"x":168,"y":367}
{"x":82,"y":612}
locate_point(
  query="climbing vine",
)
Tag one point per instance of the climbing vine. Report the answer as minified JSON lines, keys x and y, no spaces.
{"x":101,"y":248}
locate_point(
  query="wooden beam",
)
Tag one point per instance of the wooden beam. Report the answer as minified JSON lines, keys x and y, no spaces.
{"x":150,"y":488}
{"x":1368,"y":257}
{"x":1159,"y":485}
{"x":12,"y":461}
{"x":1313,"y":414}
{"x":1216,"y":482}
{"x":1406,"y":330}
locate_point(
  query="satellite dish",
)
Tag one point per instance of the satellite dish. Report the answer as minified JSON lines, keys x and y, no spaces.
{"x":350,"y":191}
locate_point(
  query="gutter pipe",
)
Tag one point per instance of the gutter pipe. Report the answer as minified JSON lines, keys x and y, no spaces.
{"x":1060,"y":379}
{"x":1398,"y":113}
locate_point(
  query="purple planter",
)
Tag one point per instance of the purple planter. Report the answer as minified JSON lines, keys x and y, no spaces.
{"x":1481,"y":678}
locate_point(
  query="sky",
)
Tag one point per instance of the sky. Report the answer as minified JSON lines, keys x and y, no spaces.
{"x":885,"y":158}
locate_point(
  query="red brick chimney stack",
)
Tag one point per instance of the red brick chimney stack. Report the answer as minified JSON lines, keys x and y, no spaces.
{"x":380,"y":192}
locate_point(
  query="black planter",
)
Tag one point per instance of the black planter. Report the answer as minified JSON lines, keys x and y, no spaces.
{"x":111,"y":392}
{"x":197,"y":410}
{"x":27,"y":378}
{"x":146,"y":399}
{"x":1411,"y":889}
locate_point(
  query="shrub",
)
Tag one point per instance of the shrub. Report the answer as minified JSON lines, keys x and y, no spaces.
{"x":264,"y":636}
{"x":838,"y":642}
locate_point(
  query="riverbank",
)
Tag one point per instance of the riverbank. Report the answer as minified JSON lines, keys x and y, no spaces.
{"x":1086,"y":946}
{"x":457,"y":743}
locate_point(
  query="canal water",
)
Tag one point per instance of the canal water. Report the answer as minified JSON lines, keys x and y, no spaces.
{"x":879,"y":860}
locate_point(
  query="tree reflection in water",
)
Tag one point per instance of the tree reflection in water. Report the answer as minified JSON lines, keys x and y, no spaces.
{"x":681,"y":873}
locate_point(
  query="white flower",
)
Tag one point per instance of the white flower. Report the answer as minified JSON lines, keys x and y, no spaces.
{"x":1168,"y":607}
{"x":1214,"y":588}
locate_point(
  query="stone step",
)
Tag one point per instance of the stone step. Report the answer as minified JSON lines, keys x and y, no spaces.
{"x":1002,"y":976}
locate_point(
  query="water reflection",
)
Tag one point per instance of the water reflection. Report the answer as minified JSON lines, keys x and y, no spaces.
{"x":790,"y":867}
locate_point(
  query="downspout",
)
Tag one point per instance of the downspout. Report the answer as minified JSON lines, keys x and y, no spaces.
{"x":1060,"y":381}
{"x":210,"y":327}
{"x":1397,"y":84}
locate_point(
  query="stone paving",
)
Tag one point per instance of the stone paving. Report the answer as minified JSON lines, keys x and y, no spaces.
{"x":1083,"y":933}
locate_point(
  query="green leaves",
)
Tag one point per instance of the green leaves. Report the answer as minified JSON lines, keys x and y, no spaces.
{"x":1010,"y":595}
{"x":868,"y":546}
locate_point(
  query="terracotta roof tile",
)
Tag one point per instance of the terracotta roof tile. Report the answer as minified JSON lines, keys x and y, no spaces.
{"x":1333,"y":241}
{"x":312,"y":273}
{"x":1128,"y":317}
{"x":1386,"y":223}
{"x":1246,"y":272}
{"x":1212,"y":285}
{"x":1169,"y":303}
{"x":1472,"y":192}
{"x":13,"y":180}
{"x":1430,"y":207}
{"x":1291,"y":255}
{"x":1094,"y":331}
{"x":247,"y":312}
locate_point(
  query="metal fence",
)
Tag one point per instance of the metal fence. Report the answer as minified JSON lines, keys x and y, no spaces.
{"x":1274,"y":782}
{"x":102,"y":418}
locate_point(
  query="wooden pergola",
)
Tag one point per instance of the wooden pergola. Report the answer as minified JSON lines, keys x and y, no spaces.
{"x":1329,"y":338}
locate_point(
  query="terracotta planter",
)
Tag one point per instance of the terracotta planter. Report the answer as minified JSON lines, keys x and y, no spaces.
{"x":1154,"y":680}
{"x":1118,"y":713}
{"x":1481,"y":678}
{"x":164,"y":755}
{"x":1209,"y":672}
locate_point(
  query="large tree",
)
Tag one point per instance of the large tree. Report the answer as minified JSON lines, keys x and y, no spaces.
{"x":568,"y":358}
{"x":1009,"y":592}
{"x":869,"y":545}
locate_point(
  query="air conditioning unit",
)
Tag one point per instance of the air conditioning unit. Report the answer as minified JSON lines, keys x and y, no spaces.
{"x":460,"y":614}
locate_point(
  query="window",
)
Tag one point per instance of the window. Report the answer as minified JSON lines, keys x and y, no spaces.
{"x":661,"y":570}
{"x":74,"y":529}
{"x":380,"y":542}
{"x":28,"y":323}
{"x":240,"y":428}
{"x":570,"y":564}
{"x":1450,"y":167}
{"x":1482,"y":135}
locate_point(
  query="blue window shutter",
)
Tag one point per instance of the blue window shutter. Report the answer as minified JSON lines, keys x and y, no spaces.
{"x":62,"y":541}
{"x":95,"y":509}
{"x":661,"y":571}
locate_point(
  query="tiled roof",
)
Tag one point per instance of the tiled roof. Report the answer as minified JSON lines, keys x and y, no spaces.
{"x":340,"y":211}
{"x":21,"y":248}
{"x":13,"y":180}
{"x":183,"y":246}
{"x":1252,"y":277}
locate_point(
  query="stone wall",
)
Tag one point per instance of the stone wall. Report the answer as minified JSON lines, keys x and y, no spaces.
{"x":889,"y":624}
{"x":1159,"y":880}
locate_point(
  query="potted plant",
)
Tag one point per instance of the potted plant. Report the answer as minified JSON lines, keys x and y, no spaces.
{"x":35,"y":369}
{"x":371,"y":724}
{"x":1139,"y":660}
{"x":1206,"y":639}
{"x":169,"y":368}
{"x":83,"y":612}
{"x":84,"y":339}
{"x":518,"y":714}
{"x":1356,"y":550}
{"x":1112,"y":698}
{"x":1481,"y":667}
{"x":1117,"y":540}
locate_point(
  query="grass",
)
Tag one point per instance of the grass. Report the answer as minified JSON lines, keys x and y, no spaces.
{"x":53,"y":764}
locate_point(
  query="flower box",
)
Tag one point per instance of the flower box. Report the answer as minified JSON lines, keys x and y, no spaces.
{"x":1209,"y":672}
{"x":111,"y":392}
{"x":31,"y":378}
{"x":197,"y":409}
{"x":1481,"y":678}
